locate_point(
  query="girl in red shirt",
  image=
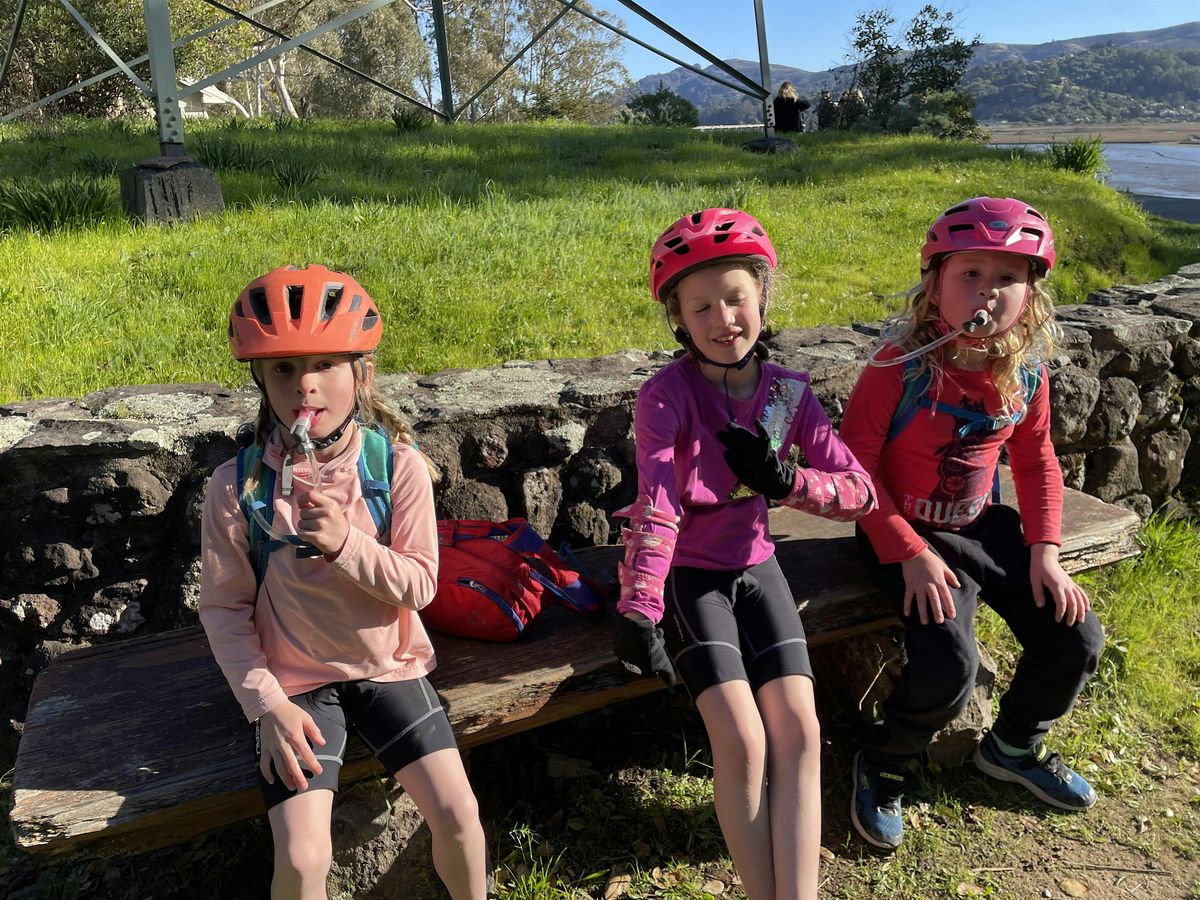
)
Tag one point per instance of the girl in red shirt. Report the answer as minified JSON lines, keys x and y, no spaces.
{"x":954,"y":382}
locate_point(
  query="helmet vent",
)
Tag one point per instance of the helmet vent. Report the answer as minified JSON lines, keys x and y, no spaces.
{"x":955,"y":228}
{"x":1033,"y":233}
{"x":673,"y":242}
{"x":696,"y":218}
{"x":258,"y":305}
{"x":355,"y":303}
{"x":758,"y":231}
{"x":295,"y":295}
{"x":682,"y":250}
{"x":720,"y":238}
{"x":370,"y":319}
{"x":333,"y":298}
{"x":724,"y":226}
{"x":956,"y":209}
{"x":1030,"y":211}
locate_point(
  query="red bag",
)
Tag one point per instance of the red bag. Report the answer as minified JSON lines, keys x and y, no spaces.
{"x":493,"y":578}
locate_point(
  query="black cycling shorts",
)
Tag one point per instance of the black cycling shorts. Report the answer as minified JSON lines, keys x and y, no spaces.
{"x":739,"y":625}
{"x":399,"y":721}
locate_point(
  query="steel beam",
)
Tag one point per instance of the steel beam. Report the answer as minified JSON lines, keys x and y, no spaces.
{"x":346,"y":67}
{"x":755,"y":94}
{"x":764,"y":70}
{"x":508,"y":65}
{"x":693,"y":46}
{"x":12,"y":41}
{"x":103,"y":45}
{"x":332,"y":25}
{"x":443,"y":55}
{"x":162,"y":76}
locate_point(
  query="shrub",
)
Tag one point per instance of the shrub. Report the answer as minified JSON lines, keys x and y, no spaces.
{"x":99,"y":165}
{"x":291,"y":175}
{"x":1082,"y":155}
{"x":406,"y":119}
{"x":663,"y":107}
{"x":64,"y":202}
{"x":224,"y":155}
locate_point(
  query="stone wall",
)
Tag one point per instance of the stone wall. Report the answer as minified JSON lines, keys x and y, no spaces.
{"x":103,"y":494}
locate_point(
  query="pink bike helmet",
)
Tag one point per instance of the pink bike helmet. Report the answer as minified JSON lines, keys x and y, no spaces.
{"x":303,"y":312}
{"x":988,"y":223}
{"x":702,"y":237}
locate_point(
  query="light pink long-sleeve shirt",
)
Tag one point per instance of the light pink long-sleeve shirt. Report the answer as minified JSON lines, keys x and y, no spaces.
{"x":316,"y":622}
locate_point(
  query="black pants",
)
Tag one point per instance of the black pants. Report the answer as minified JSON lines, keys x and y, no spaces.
{"x":989,"y":557}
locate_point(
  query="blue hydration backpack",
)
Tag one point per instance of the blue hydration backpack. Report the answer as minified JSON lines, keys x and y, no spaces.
{"x":374,"y":475}
{"x":915,"y":397}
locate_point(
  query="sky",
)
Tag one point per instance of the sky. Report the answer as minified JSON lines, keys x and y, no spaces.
{"x":812,"y":34}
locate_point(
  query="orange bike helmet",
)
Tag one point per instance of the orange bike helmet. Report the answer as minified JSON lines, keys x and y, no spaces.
{"x":303,"y":312}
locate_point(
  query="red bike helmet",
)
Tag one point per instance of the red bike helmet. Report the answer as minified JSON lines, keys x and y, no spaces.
{"x":303,"y":312}
{"x":988,"y":223}
{"x":702,"y":237}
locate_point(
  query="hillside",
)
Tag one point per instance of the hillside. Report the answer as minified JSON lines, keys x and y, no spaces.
{"x":1106,"y":77}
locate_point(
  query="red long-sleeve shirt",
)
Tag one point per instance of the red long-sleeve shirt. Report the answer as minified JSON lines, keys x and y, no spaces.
{"x":928,"y":474}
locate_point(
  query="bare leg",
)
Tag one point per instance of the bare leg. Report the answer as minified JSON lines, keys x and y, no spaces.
{"x":303,"y":846}
{"x":438,"y":785}
{"x":793,"y":783}
{"x":739,"y":746}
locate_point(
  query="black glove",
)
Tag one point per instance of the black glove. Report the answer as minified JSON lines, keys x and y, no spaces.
{"x":756,"y":465}
{"x":640,"y":648}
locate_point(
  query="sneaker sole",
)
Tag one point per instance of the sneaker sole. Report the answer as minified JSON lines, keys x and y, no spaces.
{"x":862,"y":832}
{"x":1002,"y":774}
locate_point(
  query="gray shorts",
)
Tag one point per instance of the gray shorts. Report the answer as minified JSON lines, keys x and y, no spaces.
{"x":399,"y":721}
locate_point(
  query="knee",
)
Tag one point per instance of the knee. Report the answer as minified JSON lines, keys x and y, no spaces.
{"x":943,"y":659}
{"x":739,"y":744}
{"x":796,"y":734}
{"x":304,"y":860}
{"x":454,"y":815}
{"x":1083,"y":645}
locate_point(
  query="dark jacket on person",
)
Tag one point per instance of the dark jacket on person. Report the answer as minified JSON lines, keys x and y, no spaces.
{"x":787,"y":113}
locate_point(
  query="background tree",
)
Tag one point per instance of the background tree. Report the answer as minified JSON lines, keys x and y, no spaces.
{"x":662,"y":107}
{"x":53,"y":52}
{"x":896,"y":71}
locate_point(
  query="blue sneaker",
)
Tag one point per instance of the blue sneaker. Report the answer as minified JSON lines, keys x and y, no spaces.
{"x":1044,"y":773}
{"x":875,"y":804}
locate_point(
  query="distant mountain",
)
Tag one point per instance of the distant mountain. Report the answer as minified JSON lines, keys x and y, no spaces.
{"x":992,"y":79}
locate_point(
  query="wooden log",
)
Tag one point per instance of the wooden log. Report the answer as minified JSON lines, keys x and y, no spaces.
{"x":138,"y":744}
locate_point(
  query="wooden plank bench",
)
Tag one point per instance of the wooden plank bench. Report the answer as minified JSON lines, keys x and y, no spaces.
{"x":138,"y":744}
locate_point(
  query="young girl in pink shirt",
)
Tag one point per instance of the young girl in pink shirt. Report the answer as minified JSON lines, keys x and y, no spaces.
{"x":712,"y":431}
{"x":320,"y":636}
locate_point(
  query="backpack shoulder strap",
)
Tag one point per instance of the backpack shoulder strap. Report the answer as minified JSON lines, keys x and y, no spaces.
{"x":375,"y":464}
{"x":915,"y":388}
{"x":259,"y":549}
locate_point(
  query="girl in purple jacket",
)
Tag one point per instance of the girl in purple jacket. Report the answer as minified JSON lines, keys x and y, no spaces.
{"x":701,"y":591}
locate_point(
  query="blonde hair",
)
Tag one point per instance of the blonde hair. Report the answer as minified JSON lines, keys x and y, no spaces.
{"x":786,"y":90}
{"x":372,"y":410}
{"x":1022,"y":346}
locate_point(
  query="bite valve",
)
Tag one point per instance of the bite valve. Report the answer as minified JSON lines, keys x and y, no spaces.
{"x":300,"y":430}
{"x":981,"y":318}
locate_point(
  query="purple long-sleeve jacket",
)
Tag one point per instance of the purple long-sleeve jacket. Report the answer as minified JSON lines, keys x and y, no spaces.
{"x":682,"y":471}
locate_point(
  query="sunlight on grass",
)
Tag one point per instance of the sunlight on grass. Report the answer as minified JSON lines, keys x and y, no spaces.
{"x":492,"y":243}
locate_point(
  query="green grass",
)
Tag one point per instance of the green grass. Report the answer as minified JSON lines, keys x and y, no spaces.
{"x":483,"y":244}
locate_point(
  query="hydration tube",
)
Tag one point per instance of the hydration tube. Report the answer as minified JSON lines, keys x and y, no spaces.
{"x":981,"y":318}
{"x":304,"y":445}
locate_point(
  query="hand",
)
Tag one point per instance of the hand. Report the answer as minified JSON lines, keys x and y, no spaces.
{"x":322,"y":522}
{"x":1047,"y":576}
{"x":284,"y":734}
{"x":927,"y":580}
{"x":754,"y":461}
{"x":640,"y":648}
